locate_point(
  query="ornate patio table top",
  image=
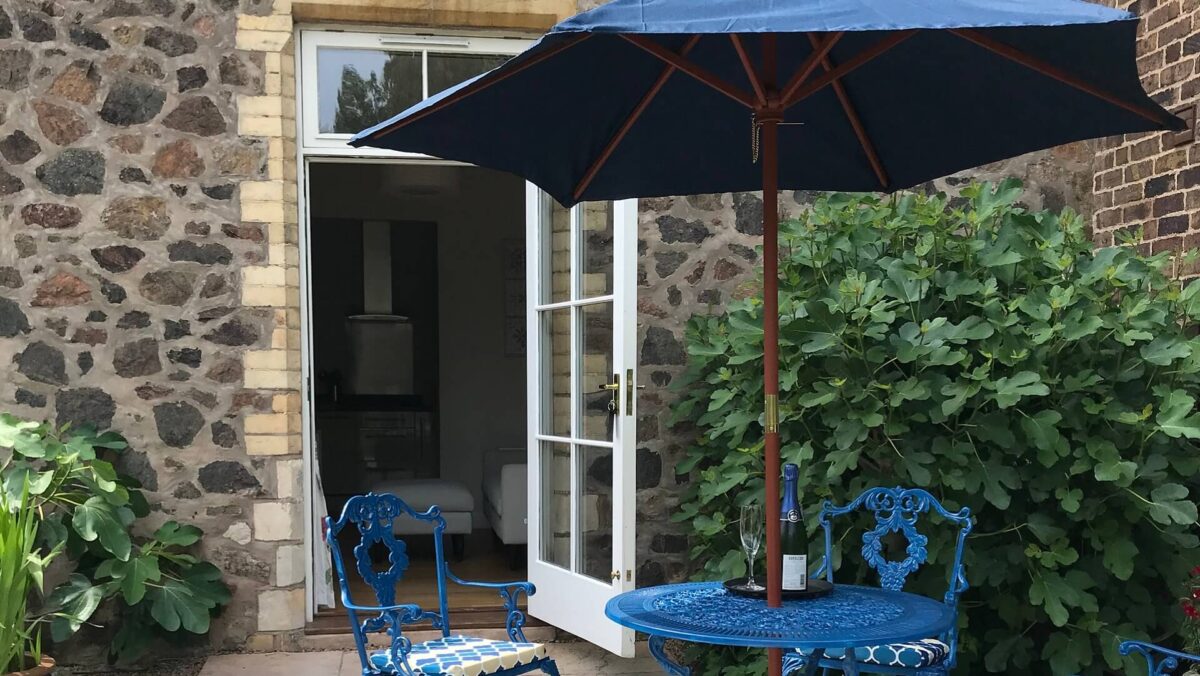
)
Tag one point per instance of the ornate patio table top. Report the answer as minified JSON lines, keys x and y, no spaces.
{"x":849,"y":617}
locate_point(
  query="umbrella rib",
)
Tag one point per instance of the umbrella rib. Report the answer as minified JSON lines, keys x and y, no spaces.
{"x":751,"y":74}
{"x":818,"y":83}
{"x":855,"y":120}
{"x":640,"y":108}
{"x":1013,"y":54}
{"x":690,"y":68}
{"x":820,"y":51}
{"x":461,"y":94}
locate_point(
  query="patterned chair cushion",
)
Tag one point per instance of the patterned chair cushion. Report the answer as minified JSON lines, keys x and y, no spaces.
{"x":463,"y":656}
{"x":916,"y":655}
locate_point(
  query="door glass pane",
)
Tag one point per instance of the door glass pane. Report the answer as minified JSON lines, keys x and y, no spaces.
{"x":596,"y":249}
{"x":556,"y":252}
{"x":595,"y":369}
{"x":556,"y":504}
{"x":358,"y":88}
{"x":556,"y":372}
{"x":595,"y":512}
{"x":447,"y":70}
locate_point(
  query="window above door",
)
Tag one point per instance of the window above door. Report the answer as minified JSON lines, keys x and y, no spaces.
{"x":353,"y":80}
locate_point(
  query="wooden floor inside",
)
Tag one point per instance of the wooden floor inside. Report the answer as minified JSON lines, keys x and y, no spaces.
{"x":470,"y":607}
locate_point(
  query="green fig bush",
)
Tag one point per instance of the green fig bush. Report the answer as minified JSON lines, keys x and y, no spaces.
{"x":991,"y":355}
{"x":83,"y":508}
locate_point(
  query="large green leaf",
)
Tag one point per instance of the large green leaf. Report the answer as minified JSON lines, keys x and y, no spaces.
{"x":1041,"y":430}
{"x":132,"y":576}
{"x":1176,"y":417}
{"x":175,"y":605}
{"x":96,"y":519}
{"x":1170,"y":505}
{"x":1165,"y":349}
{"x":1119,"y":557}
{"x":74,"y":602}
{"x":1009,"y":391}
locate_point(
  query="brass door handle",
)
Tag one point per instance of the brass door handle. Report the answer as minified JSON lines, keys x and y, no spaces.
{"x":614,"y":405}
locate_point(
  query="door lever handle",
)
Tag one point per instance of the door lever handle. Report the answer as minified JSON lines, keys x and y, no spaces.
{"x":614,"y":405}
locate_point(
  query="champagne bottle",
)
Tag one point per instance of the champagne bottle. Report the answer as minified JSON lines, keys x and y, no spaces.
{"x":793,"y":541}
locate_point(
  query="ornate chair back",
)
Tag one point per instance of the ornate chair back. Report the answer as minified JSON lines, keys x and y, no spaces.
{"x":373,"y":516}
{"x":897,"y":510}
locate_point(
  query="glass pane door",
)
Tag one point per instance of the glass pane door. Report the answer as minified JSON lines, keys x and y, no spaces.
{"x":583,"y":285}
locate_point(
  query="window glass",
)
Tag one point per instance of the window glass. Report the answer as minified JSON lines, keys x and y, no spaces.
{"x":449,"y":69}
{"x":358,"y":88}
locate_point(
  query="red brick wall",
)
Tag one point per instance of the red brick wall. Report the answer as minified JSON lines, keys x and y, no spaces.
{"x":1152,"y":181}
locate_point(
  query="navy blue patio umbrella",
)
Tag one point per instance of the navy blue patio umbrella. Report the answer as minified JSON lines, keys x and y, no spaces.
{"x":644,"y":98}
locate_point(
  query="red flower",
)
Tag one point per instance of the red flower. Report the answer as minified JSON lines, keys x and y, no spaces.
{"x":1190,"y":611}
{"x":1196,"y":570}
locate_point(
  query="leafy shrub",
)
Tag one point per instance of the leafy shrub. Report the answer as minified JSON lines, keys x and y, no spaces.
{"x":89,"y":511}
{"x":994,"y":357}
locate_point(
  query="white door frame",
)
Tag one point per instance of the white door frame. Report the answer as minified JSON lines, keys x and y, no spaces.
{"x":330,"y":149}
{"x":566,"y":598}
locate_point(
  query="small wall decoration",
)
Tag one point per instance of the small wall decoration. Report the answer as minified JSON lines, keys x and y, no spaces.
{"x":514,"y":298}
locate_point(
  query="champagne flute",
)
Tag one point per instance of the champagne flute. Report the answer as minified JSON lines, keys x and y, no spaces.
{"x":752,"y":525}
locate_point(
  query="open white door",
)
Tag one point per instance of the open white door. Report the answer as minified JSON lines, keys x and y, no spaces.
{"x":581,"y":334}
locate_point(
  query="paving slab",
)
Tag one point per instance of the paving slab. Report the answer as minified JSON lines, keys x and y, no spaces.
{"x":574,"y":659}
{"x":275,"y":664}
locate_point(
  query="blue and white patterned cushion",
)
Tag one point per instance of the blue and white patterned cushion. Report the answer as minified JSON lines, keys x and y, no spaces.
{"x":916,"y":655}
{"x":463,"y":656}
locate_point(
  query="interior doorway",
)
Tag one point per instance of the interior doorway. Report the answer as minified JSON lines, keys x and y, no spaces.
{"x":417,"y":313}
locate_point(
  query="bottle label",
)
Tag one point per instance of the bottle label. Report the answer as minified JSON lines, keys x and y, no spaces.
{"x":795,"y":572}
{"x":791,"y":516}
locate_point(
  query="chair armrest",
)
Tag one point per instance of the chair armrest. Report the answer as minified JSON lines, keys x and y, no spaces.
{"x":520,"y":585}
{"x":510,"y":592}
{"x":1170,"y":659}
{"x":410,"y":607}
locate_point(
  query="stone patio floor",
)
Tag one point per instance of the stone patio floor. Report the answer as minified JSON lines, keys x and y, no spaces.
{"x":574,"y":659}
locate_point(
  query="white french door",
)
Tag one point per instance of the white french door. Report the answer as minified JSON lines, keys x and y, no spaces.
{"x":581,"y":296}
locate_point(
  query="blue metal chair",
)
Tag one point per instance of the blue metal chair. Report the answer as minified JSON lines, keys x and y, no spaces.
{"x":452,"y":655}
{"x":1160,"y":661}
{"x":896,"y":511}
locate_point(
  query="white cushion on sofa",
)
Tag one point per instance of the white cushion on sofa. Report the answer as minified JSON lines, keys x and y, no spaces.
{"x":454,"y":499}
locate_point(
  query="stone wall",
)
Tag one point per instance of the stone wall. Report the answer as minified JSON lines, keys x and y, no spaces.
{"x":1151,"y":182}
{"x":124,"y":257}
{"x":697,"y":253}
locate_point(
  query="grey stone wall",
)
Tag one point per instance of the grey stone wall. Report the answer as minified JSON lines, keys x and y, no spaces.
{"x":120,"y":250}
{"x":698,"y":252}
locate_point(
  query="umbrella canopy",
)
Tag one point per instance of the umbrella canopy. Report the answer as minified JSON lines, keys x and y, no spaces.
{"x":924,"y":89}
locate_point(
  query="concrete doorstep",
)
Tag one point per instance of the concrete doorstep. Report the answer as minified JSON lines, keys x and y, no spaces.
{"x":574,"y":659}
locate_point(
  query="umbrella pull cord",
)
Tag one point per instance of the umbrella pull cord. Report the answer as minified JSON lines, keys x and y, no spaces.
{"x":755,"y":134}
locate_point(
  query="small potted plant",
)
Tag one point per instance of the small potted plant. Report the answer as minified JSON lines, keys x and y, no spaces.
{"x":21,"y":567}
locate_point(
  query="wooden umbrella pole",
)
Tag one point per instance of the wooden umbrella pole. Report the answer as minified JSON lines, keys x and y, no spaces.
{"x":769,"y":117}
{"x":770,"y":162}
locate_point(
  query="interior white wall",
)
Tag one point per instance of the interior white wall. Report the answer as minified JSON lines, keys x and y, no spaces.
{"x":482,"y":392}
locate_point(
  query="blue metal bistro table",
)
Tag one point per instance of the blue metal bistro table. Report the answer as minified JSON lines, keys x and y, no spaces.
{"x":849,"y":617}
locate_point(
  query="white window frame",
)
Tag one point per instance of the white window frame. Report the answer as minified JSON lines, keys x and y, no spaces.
{"x":312,"y":141}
